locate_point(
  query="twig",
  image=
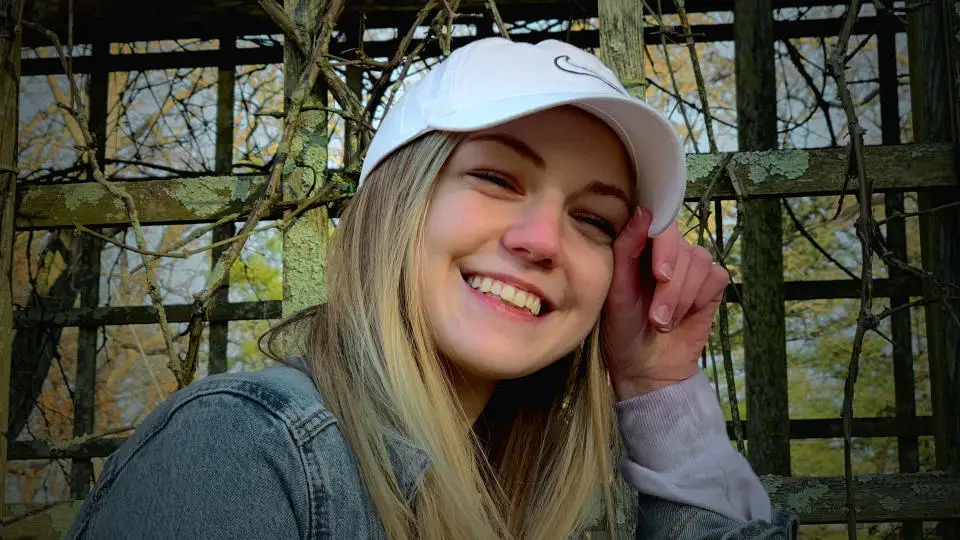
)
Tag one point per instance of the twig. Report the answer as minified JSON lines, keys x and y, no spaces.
{"x":916,"y":303}
{"x":285,"y":23}
{"x":723,"y":328}
{"x":109,"y":240}
{"x":797,"y":60}
{"x":803,"y":232}
{"x":66,"y":444}
{"x":195,"y":234}
{"x":492,"y":6}
{"x":865,"y":227}
{"x":900,"y":215}
{"x":673,"y":77}
{"x":692,"y":105}
{"x":79,"y":113}
{"x":697,"y":72}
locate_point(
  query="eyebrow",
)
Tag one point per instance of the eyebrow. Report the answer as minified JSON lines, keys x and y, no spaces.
{"x":595,"y":187}
{"x":516,"y":144}
{"x":601,"y":188}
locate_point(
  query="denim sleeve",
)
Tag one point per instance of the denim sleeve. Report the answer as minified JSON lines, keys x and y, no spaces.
{"x":213,"y":465}
{"x":661,"y":519}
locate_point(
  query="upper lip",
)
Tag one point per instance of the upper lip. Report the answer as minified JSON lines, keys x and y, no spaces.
{"x":519,"y":283}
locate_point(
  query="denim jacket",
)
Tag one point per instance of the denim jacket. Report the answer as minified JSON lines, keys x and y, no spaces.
{"x":257,"y":455}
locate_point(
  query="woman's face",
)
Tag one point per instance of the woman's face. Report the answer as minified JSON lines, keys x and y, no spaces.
{"x":516,"y":255}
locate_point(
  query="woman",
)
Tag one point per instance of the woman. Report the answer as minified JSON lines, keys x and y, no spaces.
{"x":491,"y":278}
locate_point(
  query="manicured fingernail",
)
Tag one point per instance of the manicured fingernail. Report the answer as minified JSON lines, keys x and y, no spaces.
{"x":667,"y":270}
{"x":662,"y":315}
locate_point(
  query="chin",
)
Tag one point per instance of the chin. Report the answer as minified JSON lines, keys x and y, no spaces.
{"x":500,"y":363}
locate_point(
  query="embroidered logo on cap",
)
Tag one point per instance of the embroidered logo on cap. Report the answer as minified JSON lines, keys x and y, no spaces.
{"x":564,"y":63}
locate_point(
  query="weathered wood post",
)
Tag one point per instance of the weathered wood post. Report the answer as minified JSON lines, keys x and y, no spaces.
{"x":305,"y":240}
{"x":896,"y":232}
{"x":85,"y":385}
{"x":9,"y":115}
{"x":621,"y":42}
{"x":621,"y":48}
{"x":932,"y":41}
{"x":223,"y":161}
{"x":765,"y":346}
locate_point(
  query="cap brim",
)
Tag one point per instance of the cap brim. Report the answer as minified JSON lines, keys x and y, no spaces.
{"x":652,"y":142}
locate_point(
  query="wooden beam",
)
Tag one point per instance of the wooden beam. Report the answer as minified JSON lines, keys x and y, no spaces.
{"x":120,"y":21}
{"x":880,"y":497}
{"x":926,"y":496}
{"x":246,"y":311}
{"x":9,"y":116}
{"x":827,"y":428}
{"x":118,"y":315}
{"x":706,"y":33}
{"x":764,"y":343}
{"x":40,"y":521}
{"x":762,"y":174}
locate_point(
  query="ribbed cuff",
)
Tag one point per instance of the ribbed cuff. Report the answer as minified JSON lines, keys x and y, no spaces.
{"x":668,"y":429}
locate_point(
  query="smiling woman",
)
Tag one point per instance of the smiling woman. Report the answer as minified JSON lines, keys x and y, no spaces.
{"x":505,"y":288}
{"x":519,"y":204}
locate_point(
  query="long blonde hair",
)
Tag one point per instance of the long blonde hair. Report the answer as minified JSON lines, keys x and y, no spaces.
{"x":541,"y":450}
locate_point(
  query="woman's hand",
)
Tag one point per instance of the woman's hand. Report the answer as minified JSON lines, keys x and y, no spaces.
{"x":660,"y":308}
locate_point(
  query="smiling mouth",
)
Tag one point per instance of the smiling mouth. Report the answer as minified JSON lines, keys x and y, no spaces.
{"x":509,"y":294}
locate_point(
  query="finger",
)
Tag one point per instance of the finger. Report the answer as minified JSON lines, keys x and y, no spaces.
{"x":713,"y":287}
{"x":666,"y":250}
{"x":698,"y":272}
{"x":627,"y":249}
{"x":666,"y":296}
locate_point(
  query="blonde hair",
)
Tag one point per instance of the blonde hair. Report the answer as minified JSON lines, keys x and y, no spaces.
{"x":542,"y":449}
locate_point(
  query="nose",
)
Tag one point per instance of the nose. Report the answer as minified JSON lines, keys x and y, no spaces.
{"x":536,"y":233}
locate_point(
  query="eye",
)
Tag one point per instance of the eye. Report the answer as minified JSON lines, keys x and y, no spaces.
{"x":599,"y":224}
{"x":494,"y":177}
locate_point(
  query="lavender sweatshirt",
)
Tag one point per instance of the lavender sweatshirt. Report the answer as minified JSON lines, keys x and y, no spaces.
{"x":677,"y":449}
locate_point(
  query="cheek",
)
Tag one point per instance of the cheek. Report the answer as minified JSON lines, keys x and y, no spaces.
{"x":593,"y":277}
{"x":455,"y":224}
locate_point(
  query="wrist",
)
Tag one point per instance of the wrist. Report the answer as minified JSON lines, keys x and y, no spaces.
{"x":627,"y":388}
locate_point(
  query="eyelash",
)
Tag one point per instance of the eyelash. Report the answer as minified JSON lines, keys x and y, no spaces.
{"x":602,"y":225}
{"x":495,"y":178}
{"x":505,"y":182}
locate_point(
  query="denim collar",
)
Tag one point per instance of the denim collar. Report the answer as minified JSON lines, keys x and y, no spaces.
{"x":408,"y":460}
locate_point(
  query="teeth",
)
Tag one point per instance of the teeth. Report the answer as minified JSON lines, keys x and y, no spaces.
{"x":507,"y":293}
{"x":533,"y":304}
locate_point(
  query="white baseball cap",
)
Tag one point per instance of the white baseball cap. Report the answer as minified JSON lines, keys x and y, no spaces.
{"x":492,"y":81}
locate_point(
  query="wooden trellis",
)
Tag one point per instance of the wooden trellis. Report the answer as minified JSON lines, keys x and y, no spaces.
{"x":763,"y":176}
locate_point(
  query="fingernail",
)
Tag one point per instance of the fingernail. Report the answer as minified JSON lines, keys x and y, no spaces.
{"x":639,"y":212}
{"x":667,"y":270}
{"x":662,"y":315}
